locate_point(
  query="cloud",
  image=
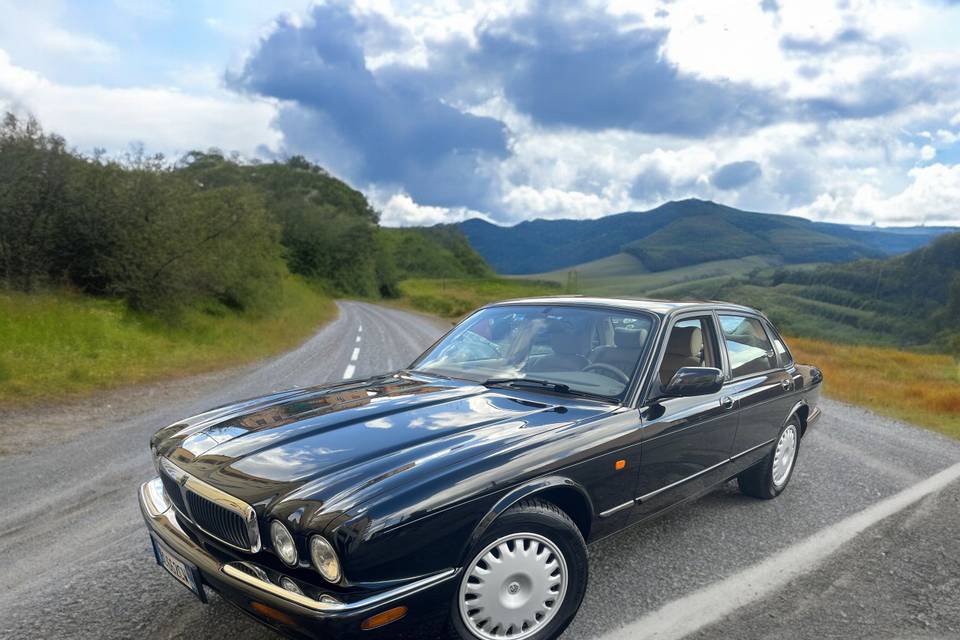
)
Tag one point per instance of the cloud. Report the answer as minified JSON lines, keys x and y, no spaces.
{"x":164,"y":120}
{"x":933,"y":197}
{"x":848,"y":38}
{"x":735,"y":174}
{"x":576,"y":67}
{"x":334,"y":105}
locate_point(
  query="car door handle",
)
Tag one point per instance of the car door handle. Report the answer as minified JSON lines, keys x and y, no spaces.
{"x":726,"y":402}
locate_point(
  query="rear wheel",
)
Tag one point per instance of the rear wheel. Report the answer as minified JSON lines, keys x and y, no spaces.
{"x":770,"y":477}
{"x":525,"y":578}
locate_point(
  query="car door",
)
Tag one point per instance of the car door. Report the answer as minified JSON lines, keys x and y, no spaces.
{"x":759,"y":383}
{"x":685,"y":441}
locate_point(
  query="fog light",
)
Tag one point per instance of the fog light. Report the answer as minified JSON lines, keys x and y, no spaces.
{"x":290,"y":585}
{"x":325,"y":559}
{"x":381,"y":619}
{"x":283,"y":543}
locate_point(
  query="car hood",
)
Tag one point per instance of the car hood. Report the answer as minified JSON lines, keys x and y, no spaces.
{"x":331,"y":442}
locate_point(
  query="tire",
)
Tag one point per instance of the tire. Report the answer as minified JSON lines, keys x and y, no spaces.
{"x":541,"y":543}
{"x":768,"y":478}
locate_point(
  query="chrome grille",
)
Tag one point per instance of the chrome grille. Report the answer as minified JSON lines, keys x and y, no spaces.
{"x":218,"y":521}
{"x":172,"y":489}
{"x":217,"y":513}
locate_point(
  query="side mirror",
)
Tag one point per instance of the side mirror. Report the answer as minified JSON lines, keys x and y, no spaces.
{"x":694,"y":381}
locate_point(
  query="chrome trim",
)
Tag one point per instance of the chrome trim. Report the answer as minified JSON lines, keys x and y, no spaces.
{"x":616,"y":509}
{"x":188,"y":482}
{"x":752,"y":449}
{"x":156,"y":504}
{"x":329,"y":604}
{"x":672,"y":485}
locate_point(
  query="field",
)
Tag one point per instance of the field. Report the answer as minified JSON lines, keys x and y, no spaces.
{"x":455,"y":298}
{"x":54,"y":346}
{"x":920,"y":388}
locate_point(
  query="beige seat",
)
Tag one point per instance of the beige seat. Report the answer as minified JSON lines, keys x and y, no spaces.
{"x":565,"y":356}
{"x":684,"y":349}
{"x":626,"y":352}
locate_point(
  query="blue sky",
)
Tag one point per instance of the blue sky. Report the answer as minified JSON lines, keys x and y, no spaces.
{"x":846,"y":111}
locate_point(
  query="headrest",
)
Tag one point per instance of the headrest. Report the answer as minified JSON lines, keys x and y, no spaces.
{"x":564,"y":343}
{"x":629,"y":338}
{"x":685,"y":341}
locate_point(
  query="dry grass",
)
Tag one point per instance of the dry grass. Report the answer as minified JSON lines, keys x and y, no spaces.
{"x":920,"y":388}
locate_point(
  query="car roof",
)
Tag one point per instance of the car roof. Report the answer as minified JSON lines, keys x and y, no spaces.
{"x":651,"y":305}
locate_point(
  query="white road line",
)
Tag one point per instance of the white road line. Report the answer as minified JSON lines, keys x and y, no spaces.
{"x":359,"y":328}
{"x":348,"y":372}
{"x":688,"y":614}
{"x":355,"y":355}
{"x":358,"y":338}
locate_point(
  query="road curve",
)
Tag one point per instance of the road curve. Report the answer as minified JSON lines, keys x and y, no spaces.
{"x":76,"y":562}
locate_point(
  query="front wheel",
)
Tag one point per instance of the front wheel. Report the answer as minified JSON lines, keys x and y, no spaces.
{"x":525,"y":579}
{"x":770,"y":477}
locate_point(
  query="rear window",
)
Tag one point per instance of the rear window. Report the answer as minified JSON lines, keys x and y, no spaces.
{"x":747,"y":344}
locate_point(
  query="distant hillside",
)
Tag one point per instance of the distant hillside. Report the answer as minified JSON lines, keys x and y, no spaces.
{"x":684,"y":233}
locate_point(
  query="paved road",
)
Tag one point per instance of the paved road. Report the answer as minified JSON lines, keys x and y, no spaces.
{"x":75,"y":559}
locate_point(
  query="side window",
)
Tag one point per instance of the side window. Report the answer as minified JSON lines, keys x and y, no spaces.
{"x":691,"y":344}
{"x":748,"y":347}
{"x":786,"y":359}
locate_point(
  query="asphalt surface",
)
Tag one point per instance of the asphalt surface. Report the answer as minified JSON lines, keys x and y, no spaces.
{"x":75,"y":559}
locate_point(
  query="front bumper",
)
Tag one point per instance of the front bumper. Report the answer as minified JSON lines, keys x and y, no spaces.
{"x":245,"y":585}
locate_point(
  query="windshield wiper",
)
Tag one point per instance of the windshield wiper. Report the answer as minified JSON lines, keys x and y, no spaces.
{"x":532,"y":382}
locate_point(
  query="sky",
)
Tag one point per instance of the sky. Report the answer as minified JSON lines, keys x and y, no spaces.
{"x":841,"y":110}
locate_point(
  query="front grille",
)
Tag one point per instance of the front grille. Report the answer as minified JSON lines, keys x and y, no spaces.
{"x":218,"y":521}
{"x":172,"y":489}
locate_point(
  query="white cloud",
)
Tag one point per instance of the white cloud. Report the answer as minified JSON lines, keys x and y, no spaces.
{"x":165,"y":120}
{"x":927,"y":152}
{"x":59,"y":41}
{"x":932,"y":197}
{"x":399,"y":210}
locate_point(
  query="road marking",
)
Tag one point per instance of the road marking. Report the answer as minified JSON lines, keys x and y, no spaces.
{"x":358,"y":338}
{"x":356,"y":354}
{"x":359,"y":328}
{"x":679,"y":618}
{"x":348,"y":372}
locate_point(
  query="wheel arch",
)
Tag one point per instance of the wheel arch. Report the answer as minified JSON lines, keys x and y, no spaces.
{"x":563,"y":492}
{"x":802,"y":410}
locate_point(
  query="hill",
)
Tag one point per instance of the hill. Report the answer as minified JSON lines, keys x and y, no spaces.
{"x":683,"y":233}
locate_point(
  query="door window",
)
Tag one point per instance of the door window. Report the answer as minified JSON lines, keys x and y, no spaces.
{"x":691,"y":344}
{"x":780,"y":347}
{"x":748,"y":347}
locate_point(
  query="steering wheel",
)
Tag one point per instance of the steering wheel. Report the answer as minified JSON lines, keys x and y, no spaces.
{"x":609,"y":371}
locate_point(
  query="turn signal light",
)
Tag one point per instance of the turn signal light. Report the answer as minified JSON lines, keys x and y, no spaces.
{"x":384,"y":618}
{"x":273,"y":614}
{"x":620,"y":464}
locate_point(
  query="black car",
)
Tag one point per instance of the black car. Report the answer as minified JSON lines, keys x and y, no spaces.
{"x":455,"y":497}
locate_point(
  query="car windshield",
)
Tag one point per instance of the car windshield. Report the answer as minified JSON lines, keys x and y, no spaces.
{"x":560,"y":348}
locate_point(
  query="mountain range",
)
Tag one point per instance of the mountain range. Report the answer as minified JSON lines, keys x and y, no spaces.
{"x":684,"y":233}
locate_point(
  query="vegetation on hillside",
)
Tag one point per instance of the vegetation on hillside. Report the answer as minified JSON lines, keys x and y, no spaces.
{"x":165,"y":236}
{"x":684,"y":233}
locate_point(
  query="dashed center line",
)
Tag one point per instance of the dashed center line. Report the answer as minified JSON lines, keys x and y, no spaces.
{"x":352,"y":367}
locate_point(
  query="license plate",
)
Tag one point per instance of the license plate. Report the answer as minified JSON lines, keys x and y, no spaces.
{"x":185,"y":573}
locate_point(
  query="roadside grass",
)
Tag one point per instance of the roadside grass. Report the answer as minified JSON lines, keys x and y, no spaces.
{"x":920,"y":388}
{"x":456,"y":298}
{"x":57,"y":346}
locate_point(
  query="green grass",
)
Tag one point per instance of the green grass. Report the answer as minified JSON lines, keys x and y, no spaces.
{"x":56,"y":346}
{"x":456,"y":298}
{"x":624,"y":275}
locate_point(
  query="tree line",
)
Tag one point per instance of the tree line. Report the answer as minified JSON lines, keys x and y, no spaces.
{"x":163,"y":235}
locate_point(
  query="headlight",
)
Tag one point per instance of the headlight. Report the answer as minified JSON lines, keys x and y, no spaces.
{"x":283,"y":543}
{"x":325,"y":559}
